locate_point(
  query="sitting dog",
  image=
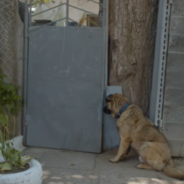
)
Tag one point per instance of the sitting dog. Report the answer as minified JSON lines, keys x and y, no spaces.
{"x":137,"y":131}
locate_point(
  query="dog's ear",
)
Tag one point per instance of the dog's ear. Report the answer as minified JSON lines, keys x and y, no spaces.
{"x":108,"y":98}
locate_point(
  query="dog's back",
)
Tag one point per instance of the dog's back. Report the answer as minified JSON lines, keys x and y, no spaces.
{"x":141,"y":128}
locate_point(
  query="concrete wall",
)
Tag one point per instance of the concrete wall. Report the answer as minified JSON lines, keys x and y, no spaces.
{"x":173,"y":112}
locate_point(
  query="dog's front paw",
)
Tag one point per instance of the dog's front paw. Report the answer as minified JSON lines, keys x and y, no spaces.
{"x":113,"y":160}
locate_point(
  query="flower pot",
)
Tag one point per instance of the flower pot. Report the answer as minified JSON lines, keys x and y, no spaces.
{"x":33,"y":175}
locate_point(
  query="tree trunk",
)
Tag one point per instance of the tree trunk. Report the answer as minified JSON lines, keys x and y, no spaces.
{"x":132,"y":30}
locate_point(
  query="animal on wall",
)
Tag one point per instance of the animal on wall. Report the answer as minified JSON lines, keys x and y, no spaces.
{"x":138,"y":132}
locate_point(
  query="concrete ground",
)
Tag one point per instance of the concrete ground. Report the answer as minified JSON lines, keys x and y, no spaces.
{"x":68,"y":167}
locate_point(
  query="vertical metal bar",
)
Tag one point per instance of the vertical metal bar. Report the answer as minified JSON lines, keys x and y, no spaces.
{"x":67,"y":11}
{"x":105,"y":21}
{"x":29,"y":12}
{"x":25,"y":67}
{"x":101,"y":5}
{"x":160,"y":59}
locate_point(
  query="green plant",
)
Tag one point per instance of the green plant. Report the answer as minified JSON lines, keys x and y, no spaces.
{"x":10,"y":105}
{"x":10,"y":101}
{"x":12,"y":157}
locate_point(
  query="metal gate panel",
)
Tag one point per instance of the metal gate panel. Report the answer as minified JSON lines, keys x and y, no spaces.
{"x":65,"y":88}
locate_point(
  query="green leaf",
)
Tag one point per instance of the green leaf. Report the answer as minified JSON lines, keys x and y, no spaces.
{"x":6,"y":167}
{"x":14,"y":157}
{"x":25,"y":159}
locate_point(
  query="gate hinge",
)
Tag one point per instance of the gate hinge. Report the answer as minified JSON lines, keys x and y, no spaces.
{"x":170,"y":1}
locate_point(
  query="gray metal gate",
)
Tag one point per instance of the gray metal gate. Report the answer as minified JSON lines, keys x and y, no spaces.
{"x":65,"y":80}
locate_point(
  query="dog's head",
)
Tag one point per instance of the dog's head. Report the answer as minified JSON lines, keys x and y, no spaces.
{"x":114,"y":102}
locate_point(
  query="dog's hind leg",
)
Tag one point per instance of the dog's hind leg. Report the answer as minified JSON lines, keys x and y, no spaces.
{"x":152,"y":156}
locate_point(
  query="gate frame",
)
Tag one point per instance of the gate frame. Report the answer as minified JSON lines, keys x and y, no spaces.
{"x":160,"y":60}
{"x":27,"y":23}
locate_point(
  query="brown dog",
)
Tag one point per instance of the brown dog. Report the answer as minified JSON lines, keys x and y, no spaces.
{"x":137,"y":131}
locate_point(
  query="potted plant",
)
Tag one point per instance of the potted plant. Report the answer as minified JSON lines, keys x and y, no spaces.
{"x":14,"y":168}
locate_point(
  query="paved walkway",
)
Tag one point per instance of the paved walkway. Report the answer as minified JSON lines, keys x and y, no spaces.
{"x":68,"y":167}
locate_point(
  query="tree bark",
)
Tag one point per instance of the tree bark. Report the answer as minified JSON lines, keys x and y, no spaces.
{"x":132,"y":30}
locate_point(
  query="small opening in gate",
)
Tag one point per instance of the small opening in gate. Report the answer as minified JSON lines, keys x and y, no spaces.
{"x":74,"y":13}
{"x":84,"y":13}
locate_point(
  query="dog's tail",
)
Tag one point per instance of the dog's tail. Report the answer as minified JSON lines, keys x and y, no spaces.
{"x":172,"y":172}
